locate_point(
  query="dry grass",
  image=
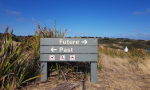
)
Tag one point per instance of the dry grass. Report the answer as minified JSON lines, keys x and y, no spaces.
{"x":116,"y":74}
{"x":142,"y":59}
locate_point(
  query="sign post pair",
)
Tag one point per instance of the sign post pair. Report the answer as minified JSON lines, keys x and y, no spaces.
{"x":69,"y":50}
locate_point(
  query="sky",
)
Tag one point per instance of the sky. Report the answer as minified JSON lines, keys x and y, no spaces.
{"x":91,"y":18}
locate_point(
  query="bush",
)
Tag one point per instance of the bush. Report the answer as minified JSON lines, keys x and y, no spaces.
{"x":136,"y":44}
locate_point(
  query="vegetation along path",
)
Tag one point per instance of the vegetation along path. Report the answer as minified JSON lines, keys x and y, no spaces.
{"x":116,"y":74}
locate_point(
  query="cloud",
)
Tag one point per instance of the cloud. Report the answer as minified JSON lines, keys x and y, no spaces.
{"x":80,"y":33}
{"x":20,"y":19}
{"x":138,"y":13}
{"x":70,"y":31}
{"x":8,"y":12}
{"x":15,"y":13}
{"x":144,"y":34}
{"x":141,"y":12}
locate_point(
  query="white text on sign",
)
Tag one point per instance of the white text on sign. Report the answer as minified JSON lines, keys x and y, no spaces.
{"x":61,"y":41}
{"x":65,"y":49}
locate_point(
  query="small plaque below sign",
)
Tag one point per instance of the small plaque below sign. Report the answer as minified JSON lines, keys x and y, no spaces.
{"x":62,"y":57}
{"x":51,"y":57}
{"x":72,"y":57}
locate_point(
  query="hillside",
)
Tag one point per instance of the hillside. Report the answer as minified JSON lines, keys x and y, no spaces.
{"x":116,"y":74}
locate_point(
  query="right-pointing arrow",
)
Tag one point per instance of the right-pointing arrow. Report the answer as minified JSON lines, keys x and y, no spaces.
{"x":85,"y":42}
{"x":52,"y":49}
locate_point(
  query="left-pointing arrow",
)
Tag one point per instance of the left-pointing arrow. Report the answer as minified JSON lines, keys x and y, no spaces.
{"x":52,"y":49}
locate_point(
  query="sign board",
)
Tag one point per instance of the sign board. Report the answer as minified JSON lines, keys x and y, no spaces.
{"x":69,"y":49}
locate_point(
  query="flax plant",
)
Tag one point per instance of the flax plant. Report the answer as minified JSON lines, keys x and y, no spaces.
{"x":12,"y":73}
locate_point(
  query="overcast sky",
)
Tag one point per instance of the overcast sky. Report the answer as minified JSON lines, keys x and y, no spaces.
{"x":95,"y":18}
